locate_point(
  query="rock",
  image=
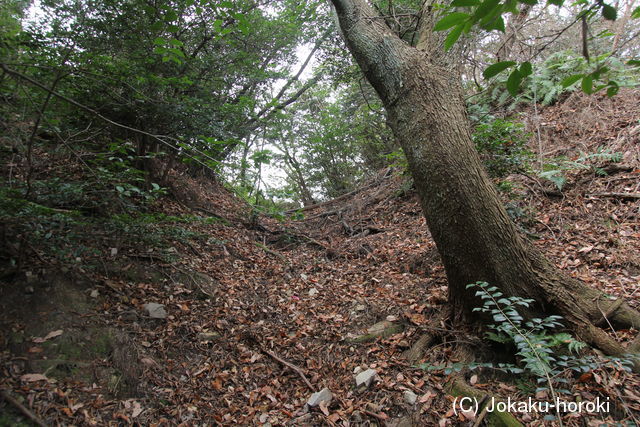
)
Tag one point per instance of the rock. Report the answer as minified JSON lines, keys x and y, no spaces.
{"x":155,"y":311}
{"x":323,"y":395}
{"x":382,"y":329}
{"x":410,"y":397}
{"x":94,"y":293}
{"x":357,"y":370}
{"x":208,"y":336}
{"x":366,"y":378}
{"x":361,"y":307}
{"x":29,"y":290}
{"x":313,"y":292}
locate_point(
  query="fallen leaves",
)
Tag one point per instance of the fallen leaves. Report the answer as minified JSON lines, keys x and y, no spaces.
{"x":49,"y":336}
{"x":33,"y":377}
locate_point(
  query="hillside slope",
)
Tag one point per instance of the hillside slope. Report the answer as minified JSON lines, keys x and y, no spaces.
{"x":258,"y":314}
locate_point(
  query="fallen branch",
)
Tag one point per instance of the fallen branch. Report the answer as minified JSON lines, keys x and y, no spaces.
{"x":385,"y":175}
{"x":290,"y":366}
{"x":23,"y":409}
{"x":617,"y":195}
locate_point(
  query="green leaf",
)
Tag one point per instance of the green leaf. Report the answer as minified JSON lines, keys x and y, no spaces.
{"x":609,"y":12}
{"x":634,"y":63}
{"x":587,"y":84}
{"x":613,"y":90}
{"x":485,"y":8}
{"x":636,"y":13}
{"x":497,"y":68}
{"x":525,"y":69}
{"x":465,"y":3}
{"x":450,"y":20}
{"x":513,"y":82}
{"x":556,"y":2}
{"x":497,"y":24}
{"x":529,"y":2}
{"x":170,"y":16}
{"x":453,"y":36}
{"x":571,"y":80}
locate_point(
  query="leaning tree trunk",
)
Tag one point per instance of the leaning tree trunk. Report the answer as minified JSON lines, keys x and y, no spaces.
{"x":476,"y":239}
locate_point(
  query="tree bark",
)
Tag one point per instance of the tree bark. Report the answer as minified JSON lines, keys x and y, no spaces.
{"x":477,"y":241}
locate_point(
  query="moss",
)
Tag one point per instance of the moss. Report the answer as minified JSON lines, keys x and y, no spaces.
{"x":459,"y":388}
{"x":9,"y":420}
{"x":387,"y":332}
{"x":102,"y":344}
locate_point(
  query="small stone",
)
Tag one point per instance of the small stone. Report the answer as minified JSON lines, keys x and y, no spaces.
{"x":323,"y":395}
{"x":155,"y":311}
{"x":410,"y":397}
{"x":361,"y":307}
{"x":366,"y":378}
{"x":29,"y":290}
{"x":208,"y":336}
{"x":94,"y":293}
{"x":313,"y":292}
{"x":114,"y":251}
{"x":31,"y":278}
{"x":357,"y":370}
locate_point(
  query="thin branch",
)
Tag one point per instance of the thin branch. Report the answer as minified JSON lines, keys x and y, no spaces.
{"x":100,"y":116}
{"x":25,"y":411}
{"x":291,"y":366}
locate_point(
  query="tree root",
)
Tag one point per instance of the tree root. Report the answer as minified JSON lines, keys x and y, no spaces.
{"x":458,"y":387}
{"x":417,"y":350}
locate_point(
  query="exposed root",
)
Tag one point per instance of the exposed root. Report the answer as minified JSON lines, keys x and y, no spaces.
{"x":625,"y":317}
{"x":458,"y":387}
{"x":417,"y":350}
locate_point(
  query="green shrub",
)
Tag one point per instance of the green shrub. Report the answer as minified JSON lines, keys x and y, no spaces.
{"x":501,"y":144}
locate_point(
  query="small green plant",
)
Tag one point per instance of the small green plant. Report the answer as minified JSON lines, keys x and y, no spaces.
{"x":397,"y":159}
{"x":555,"y":171}
{"x":542,"y":353}
{"x":502,"y":146}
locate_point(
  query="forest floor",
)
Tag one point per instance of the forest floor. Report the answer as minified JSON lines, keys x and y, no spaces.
{"x":261,"y":313}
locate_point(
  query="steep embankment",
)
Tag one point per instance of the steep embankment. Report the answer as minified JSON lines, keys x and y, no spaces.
{"x":258,"y":313}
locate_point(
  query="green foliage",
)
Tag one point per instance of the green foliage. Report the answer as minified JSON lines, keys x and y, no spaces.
{"x":542,"y":353}
{"x":163,"y":67}
{"x":461,"y":16}
{"x":558,"y":74}
{"x":501,"y":144}
{"x":555,"y":171}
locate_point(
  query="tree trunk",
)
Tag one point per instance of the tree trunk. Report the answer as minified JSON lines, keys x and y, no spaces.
{"x":476,"y":239}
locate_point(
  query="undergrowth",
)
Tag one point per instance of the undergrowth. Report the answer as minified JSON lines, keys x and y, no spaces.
{"x":544,"y":354}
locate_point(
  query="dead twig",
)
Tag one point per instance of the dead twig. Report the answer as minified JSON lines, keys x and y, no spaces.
{"x":617,"y":195}
{"x":25,"y":411}
{"x":291,"y":366}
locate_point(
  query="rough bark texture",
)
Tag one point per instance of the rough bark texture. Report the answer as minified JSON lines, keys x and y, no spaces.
{"x":474,"y":235}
